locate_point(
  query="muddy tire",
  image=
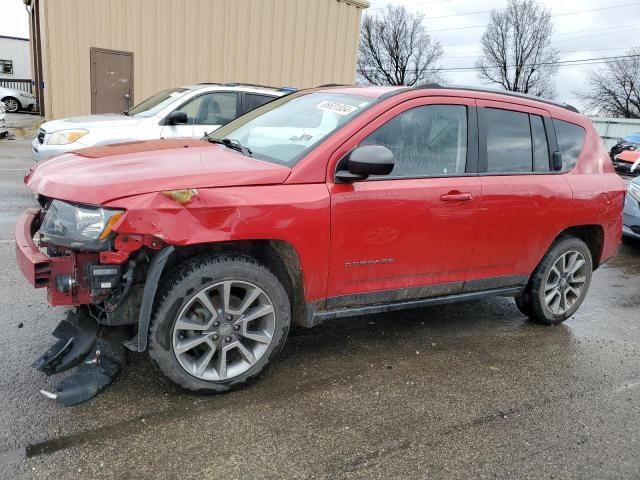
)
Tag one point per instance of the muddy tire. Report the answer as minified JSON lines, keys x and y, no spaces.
{"x":522,"y":305}
{"x":559,"y":284}
{"x":218,"y":323}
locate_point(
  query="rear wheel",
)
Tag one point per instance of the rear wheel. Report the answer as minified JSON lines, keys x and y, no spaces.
{"x":12,"y":104}
{"x":559,"y":284}
{"x":219,"y":322}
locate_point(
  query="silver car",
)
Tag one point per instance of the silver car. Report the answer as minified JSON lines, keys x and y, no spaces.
{"x":15,"y":100}
{"x":185,"y":112}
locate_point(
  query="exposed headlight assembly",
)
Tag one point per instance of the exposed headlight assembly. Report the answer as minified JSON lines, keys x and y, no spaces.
{"x":65,"y":137}
{"x":78,"y":226}
{"x":634,"y":191}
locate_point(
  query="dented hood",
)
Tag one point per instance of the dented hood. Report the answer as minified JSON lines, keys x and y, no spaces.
{"x":97,"y":175}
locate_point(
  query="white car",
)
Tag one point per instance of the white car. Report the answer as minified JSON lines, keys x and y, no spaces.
{"x":3,"y":128}
{"x":185,"y":112}
{"x":15,"y":100}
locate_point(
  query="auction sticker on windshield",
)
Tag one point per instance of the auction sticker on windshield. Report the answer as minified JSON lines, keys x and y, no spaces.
{"x":335,"y":107}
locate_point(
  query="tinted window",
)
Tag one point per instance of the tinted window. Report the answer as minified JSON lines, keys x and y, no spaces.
{"x":253,"y":101}
{"x":426,"y":141}
{"x":540,"y":147}
{"x":211,"y":108}
{"x":570,"y":141}
{"x":508,"y":141}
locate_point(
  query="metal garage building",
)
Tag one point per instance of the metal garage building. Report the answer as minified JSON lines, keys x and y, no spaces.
{"x":130,"y":49}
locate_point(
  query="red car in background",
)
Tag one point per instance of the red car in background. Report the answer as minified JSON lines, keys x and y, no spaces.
{"x":323,"y":204}
{"x":627,"y":161}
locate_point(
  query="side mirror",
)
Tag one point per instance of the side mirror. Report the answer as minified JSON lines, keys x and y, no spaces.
{"x":177,"y":118}
{"x":365,"y":161}
{"x":556,"y":160}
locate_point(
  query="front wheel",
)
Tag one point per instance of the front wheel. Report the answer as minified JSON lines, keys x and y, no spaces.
{"x":219,"y":322}
{"x":559,"y":284}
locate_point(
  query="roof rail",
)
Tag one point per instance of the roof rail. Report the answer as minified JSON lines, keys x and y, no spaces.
{"x":327,"y":85}
{"x":508,"y":93}
{"x":241,"y":84}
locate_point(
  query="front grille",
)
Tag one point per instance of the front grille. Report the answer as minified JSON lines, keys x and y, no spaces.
{"x":636,"y":229}
{"x":41,"y":133}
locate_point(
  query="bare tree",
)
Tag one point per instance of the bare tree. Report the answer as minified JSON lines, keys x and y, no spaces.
{"x":395,"y":49}
{"x":615,"y":88}
{"x":516,"y":49}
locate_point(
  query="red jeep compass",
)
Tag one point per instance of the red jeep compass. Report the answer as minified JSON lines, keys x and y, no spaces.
{"x":323,"y":204}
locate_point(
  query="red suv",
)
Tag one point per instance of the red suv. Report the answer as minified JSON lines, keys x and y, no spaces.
{"x":323,"y":204}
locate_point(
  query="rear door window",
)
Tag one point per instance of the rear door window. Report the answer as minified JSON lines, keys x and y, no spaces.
{"x":509,"y":147}
{"x":570,"y":142}
{"x":253,"y":101}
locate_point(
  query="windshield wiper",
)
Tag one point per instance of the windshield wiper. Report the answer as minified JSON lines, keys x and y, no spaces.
{"x":230,"y":143}
{"x":126,"y":112}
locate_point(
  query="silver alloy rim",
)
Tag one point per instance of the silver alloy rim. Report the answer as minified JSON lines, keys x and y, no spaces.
{"x":565,"y":282}
{"x":224,"y":330}
{"x":11,"y":104}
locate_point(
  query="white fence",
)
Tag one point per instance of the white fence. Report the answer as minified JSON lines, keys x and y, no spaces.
{"x":611,"y":129}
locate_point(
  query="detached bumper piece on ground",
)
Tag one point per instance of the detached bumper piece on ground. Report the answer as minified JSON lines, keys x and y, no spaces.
{"x":99,"y":360}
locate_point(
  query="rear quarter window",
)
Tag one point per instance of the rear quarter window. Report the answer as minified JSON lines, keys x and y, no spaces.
{"x":570,"y":142}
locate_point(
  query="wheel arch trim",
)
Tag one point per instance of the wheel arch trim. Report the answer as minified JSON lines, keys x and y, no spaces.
{"x":139,"y":342}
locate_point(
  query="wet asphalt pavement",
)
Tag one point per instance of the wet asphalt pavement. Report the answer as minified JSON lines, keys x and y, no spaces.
{"x":453,"y":391}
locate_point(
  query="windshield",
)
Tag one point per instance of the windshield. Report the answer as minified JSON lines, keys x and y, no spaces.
{"x":286,"y":129}
{"x":157,"y":102}
{"x":634,"y":137}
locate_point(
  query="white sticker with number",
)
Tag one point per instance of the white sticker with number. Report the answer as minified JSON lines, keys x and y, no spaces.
{"x":335,"y":107}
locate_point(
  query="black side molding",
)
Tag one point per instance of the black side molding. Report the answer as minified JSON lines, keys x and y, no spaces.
{"x":315,"y":317}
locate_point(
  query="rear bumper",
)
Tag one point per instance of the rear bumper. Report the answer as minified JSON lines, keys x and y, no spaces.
{"x":42,"y":271}
{"x":628,"y":233}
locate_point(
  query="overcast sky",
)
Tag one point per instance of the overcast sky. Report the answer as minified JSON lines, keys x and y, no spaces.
{"x":610,"y":30}
{"x":14,"y":19}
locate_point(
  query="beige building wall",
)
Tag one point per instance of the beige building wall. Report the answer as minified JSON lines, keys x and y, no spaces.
{"x":299,"y":43}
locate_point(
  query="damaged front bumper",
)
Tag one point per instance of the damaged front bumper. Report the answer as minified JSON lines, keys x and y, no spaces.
{"x":61,"y":274}
{"x":80,"y":342}
{"x":75,"y":279}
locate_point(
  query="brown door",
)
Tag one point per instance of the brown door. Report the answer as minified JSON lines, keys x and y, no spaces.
{"x":111,"y":80}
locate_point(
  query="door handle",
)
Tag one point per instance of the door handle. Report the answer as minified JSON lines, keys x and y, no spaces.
{"x":456,"y":197}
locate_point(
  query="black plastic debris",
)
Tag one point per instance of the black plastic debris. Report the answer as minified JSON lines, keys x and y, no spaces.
{"x":95,"y":374}
{"x":76,"y":337}
{"x":97,"y":350}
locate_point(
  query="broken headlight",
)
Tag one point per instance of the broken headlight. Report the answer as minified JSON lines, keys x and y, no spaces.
{"x":78,"y":226}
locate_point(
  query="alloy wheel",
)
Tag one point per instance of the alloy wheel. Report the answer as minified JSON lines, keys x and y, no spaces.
{"x":223,"y":330}
{"x":11,"y":104}
{"x":565,"y":282}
